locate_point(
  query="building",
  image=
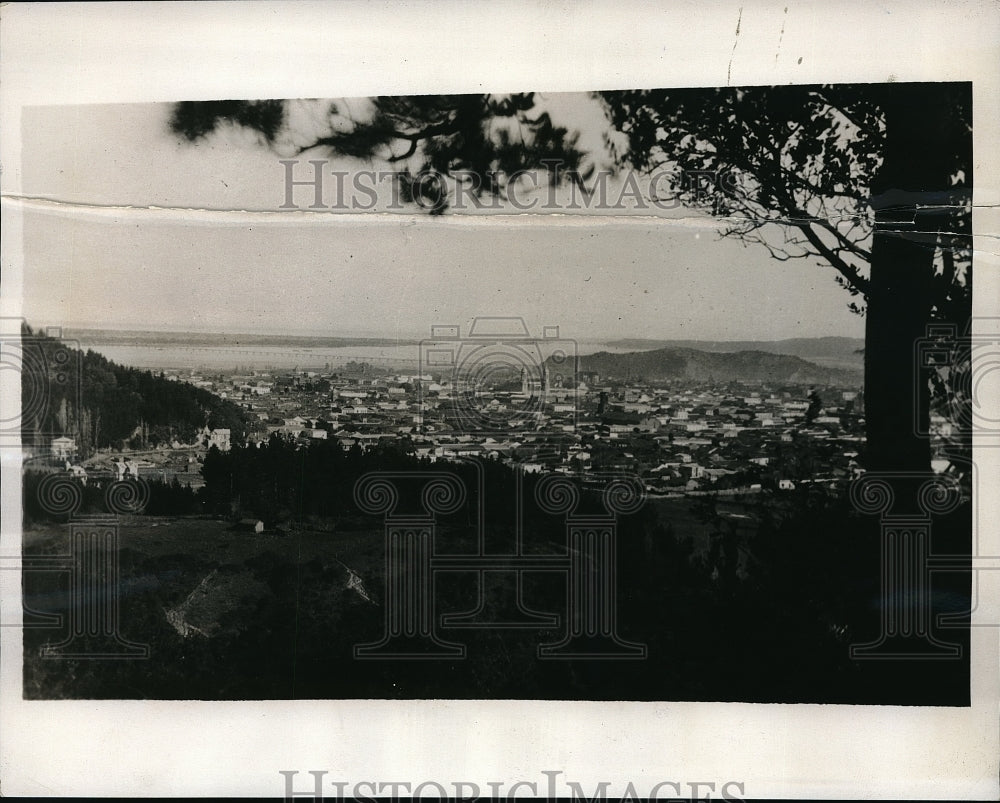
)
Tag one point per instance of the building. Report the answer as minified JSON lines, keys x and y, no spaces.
{"x":125,"y":470}
{"x":219,"y":438}
{"x":63,"y":447}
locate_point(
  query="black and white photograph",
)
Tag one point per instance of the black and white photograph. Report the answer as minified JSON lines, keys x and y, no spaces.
{"x":666,"y":453}
{"x":637,"y":393}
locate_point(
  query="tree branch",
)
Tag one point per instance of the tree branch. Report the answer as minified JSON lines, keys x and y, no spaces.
{"x":845,"y":269}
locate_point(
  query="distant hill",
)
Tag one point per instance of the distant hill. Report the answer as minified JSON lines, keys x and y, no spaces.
{"x":100,"y":403}
{"x":704,"y":366}
{"x":842,"y":352}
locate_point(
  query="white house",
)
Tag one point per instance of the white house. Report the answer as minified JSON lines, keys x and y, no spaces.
{"x":63,"y":447}
{"x":220,"y":438}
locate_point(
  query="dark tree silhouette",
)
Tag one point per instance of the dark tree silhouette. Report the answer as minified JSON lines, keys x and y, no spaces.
{"x":483,"y":141}
{"x":815,"y":406}
{"x":875,"y":180}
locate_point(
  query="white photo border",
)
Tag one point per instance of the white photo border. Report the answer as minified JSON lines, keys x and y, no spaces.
{"x":131,"y":52}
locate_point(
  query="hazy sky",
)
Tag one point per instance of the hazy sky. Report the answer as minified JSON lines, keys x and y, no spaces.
{"x":95,"y":261}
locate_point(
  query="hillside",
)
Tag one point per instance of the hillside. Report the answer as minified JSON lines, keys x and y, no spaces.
{"x":66,"y":391}
{"x":842,"y":352}
{"x":666,"y":364}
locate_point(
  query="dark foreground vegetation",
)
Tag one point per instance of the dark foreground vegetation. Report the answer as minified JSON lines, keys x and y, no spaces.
{"x":754,"y":598}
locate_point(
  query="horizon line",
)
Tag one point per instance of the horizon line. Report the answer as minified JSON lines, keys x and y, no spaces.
{"x":407,"y":338}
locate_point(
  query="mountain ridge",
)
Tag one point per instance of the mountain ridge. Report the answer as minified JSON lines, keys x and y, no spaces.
{"x":667,"y":364}
{"x":831,"y":348}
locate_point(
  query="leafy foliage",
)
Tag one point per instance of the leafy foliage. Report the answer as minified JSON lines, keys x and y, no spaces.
{"x":482,"y":141}
{"x":804,"y":161}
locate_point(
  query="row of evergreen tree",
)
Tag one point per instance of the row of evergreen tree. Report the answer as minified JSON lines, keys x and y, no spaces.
{"x":155,"y":497}
{"x":280,"y":480}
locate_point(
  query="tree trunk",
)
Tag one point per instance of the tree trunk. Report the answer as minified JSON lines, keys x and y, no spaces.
{"x":921,"y":141}
{"x":897,"y":316}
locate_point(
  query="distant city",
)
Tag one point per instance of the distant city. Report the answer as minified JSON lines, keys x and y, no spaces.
{"x":685,"y":420}
{"x":678,"y":438}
